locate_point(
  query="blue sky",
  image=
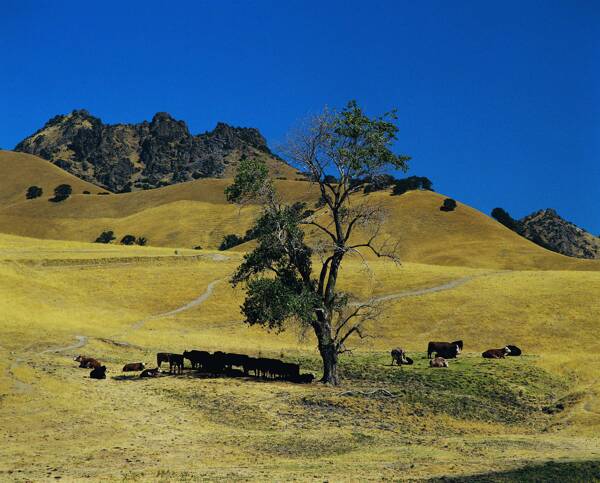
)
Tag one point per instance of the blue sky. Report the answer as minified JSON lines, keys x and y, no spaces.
{"x":498,"y":102}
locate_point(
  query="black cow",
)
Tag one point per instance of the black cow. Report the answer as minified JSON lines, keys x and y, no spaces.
{"x":98,"y":373}
{"x":176,"y":361}
{"x":447,"y":350}
{"x":162,"y":357}
{"x":198,"y":359}
{"x":514,"y":350}
{"x":304,"y":378}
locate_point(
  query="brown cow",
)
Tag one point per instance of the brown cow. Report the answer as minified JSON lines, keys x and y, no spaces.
{"x":134,"y":366}
{"x":496,"y":353}
{"x":87,"y":362}
{"x":438,"y":362}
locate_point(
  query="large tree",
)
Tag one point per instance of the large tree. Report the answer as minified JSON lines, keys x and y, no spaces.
{"x":340,"y":152}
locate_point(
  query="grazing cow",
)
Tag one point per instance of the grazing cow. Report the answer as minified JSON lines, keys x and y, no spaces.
{"x":514,"y":350}
{"x":198,"y":359}
{"x":397,"y":356}
{"x":150,"y":372}
{"x":176,"y":361}
{"x":449,"y":350}
{"x":134,"y":366}
{"x":438,"y":362}
{"x":162,"y":357}
{"x":98,"y":373}
{"x":496,"y":353}
{"x":87,"y":362}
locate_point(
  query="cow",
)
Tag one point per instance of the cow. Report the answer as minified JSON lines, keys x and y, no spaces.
{"x":514,"y":350}
{"x":87,"y":362}
{"x":448,"y":350}
{"x":304,"y":378}
{"x":176,"y":361}
{"x":198,"y":359}
{"x":150,"y":372}
{"x":98,"y":373}
{"x":438,"y":362}
{"x":496,"y":353}
{"x":162,"y":357}
{"x":134,"y":366}
{"x":400,"y":358}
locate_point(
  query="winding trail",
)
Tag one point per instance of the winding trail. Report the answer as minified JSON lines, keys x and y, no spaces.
{"x":81,"y":341}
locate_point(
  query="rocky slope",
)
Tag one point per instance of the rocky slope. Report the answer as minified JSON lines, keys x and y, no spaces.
{"x":548,"y":229}
{"x":126,"y":157}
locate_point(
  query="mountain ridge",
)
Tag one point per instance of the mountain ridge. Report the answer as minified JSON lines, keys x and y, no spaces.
{"x":149,"y":154}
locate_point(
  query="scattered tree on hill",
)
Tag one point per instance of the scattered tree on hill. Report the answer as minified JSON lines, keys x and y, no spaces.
{"x":502,"y":216}
{"x":105,"y":237}
{"x":128,"y":240}
{"x":33,"y":192}
{"x":230,"y":241}
{"x":141,"y":241}
{"x":403,"y":185}
{"x":61,"y":193}
{"x":278,"y":274}
{"x":448,"y":205}
{"x":87,"y":193}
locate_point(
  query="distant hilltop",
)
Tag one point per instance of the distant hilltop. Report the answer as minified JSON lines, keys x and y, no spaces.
{"x":129,"y":157}
{"x":549,"y":230}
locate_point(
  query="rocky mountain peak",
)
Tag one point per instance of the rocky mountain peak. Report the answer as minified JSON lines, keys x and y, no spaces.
{"x":124,"y":157}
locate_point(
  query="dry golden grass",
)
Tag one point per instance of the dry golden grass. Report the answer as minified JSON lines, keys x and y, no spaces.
{"x":58,"y":422}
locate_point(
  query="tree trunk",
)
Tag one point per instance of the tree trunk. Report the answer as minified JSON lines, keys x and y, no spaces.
{"x":330,"y":363}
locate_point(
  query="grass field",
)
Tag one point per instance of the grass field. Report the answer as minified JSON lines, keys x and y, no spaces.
{"x":489,"y":419}
{"x":463,"y":276}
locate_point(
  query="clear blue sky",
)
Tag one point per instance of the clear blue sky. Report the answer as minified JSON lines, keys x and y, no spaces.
{"x":499,"y":102}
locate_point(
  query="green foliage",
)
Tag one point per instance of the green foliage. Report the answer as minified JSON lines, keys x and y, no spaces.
{"x":251,"y":181}
{"x":105,"y":237}
{"x":128,"y":240}
{"x":508,"y":221}
{"x":448,"y":205}
{"x":230,"y":241}
{"x":61,"y":193}
{"x":33,"y":192}
{"x":401,"y":186}
{"x":141,"y":241}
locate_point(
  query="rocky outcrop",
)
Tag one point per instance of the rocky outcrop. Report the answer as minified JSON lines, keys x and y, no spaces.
{"x":548,"y":229}
{"x":124,"y":157}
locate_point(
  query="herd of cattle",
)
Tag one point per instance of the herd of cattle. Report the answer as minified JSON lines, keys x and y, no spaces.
{"x":450,"y":350}
{"x":229,"y":364}
{"x":217,"y":363}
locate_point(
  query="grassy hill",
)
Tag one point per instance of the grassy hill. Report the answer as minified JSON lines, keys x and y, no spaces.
{"x":20,"y":171}
{"x":197,"y":214}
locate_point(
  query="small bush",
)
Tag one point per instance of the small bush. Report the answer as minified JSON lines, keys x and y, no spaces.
{"x":198,"y":247}
{"x":33,"y":192}
{"x":87,"y":193}
{"x":141,"y":241}
{"x":105,"y":237}
{"x":103,"y":193}
{"x":61,"y":193}
{"x":230,"y":241}
{"x":448,"y":205}
{"x":508,"y":221}
{"x":128,"y":240}
{"x":403,"y":185}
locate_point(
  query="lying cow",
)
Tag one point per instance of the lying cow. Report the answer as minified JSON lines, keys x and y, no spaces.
{"x":306,"y":378}
{"x":496,"y":353}
{"x":150,"y":372}
{"x":448,"y":350}
{"x":438,"y":362}
{"x":98,"y":373}
{"x":134,"y":366}
{"x":514,"y":350}
{"x":87,"y":362}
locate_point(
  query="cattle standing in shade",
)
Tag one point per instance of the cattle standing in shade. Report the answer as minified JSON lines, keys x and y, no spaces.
{"x":438,"y":362}
{"x":496,"y":353}
{"x":98,"y":373}
{"x":162,"y":357}
{"x":176,"y":361}
{"x":448,"y":350}
{"x":514,"y":350}
{"x":134,"y":367}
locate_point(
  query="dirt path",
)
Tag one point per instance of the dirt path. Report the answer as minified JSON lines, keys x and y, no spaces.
{"x":81,"y":341}
{"x":424,"y":291}
{"x":190,"y":305}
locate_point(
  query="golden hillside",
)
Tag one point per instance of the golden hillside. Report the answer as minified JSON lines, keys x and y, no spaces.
{"x":196,"y":213}
{"x":19,"y":171}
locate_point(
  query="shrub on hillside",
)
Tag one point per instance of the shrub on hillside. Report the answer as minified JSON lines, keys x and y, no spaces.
{"x":403,"y":185}
{"x":128,"y":240}
{"x":502,"y":216}
{"x":141,"y":241}
{"x":33,"y":192}
{"x":448,"y":205}
{"x":105,"y":237}
{"x":87,"y":193}
{"x":61,"y":193}
{"x":230,"y":241}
